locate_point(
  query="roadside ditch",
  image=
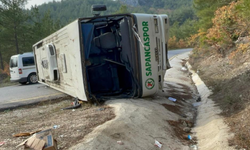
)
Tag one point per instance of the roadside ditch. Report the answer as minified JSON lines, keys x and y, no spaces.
{"x":210,"y":128}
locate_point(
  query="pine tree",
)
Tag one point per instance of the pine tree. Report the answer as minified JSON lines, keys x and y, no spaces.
{"x":205,"y":10}
{"x":13,"y":20}
{"x":122,"y":10}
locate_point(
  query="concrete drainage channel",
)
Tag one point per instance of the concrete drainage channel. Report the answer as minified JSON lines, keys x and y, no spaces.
{"x":210,"y":129}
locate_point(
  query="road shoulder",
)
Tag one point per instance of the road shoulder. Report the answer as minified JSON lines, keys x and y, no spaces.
{"x":141,"y":122}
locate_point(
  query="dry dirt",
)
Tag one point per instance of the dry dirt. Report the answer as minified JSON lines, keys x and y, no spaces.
{"x":71,"y":125}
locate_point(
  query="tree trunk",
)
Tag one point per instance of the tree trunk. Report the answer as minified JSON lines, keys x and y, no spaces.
{"x":1,"y":61}
{"x":16,"y":42}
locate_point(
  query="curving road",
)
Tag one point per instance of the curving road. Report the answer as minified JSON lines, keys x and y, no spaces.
{"x":18,"y":95}
{"x":172,"y":53}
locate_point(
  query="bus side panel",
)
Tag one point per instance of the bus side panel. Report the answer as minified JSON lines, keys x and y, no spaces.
{"x":66,"y":43}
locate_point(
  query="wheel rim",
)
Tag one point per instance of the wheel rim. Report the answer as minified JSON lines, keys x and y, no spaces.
{"x":33,"y":78}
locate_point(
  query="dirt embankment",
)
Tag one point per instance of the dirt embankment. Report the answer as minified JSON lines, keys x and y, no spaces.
{"x":229,"y":81}
{"x":140,"y":122}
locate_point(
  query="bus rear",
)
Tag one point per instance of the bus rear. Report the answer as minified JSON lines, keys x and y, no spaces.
{"x":152,"y":36}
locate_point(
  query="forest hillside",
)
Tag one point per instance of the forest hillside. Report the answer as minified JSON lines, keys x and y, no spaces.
{"x":20,"y":28}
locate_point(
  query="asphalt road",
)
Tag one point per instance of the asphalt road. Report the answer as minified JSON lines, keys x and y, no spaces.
{"x":172,"y":53}
{"x":18,"y":95}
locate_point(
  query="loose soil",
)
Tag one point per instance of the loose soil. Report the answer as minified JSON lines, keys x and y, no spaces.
{"x":72,"y":125}
{"x":180,"y":133}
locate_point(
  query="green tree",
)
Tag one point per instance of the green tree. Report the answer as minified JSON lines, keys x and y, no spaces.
{"x":182,"y":14}
{"x":243,"y":9}
{"x":13,"y":21}
{"x":42,"y":26}
{"x":1,"y":57}
{"x":122,"y":10}
{"x":159,"y":4}
{"x":188,"y":28}
{"x":205,"y":11}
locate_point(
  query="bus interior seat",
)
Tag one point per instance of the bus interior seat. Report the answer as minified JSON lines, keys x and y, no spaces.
{"x":106,"y":41}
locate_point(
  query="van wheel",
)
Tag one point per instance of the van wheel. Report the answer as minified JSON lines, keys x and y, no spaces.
{"x":32,"y":78}
{"x":23,"y":83}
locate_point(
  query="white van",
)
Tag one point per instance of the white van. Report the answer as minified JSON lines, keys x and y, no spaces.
{"x":22,"y":68}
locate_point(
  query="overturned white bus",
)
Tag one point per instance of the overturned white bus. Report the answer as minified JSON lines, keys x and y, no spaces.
{"x":103,"y":57}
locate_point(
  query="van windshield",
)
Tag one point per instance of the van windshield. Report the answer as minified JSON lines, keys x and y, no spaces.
{"x":28,"y":61}
{"x":13,"y":62}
